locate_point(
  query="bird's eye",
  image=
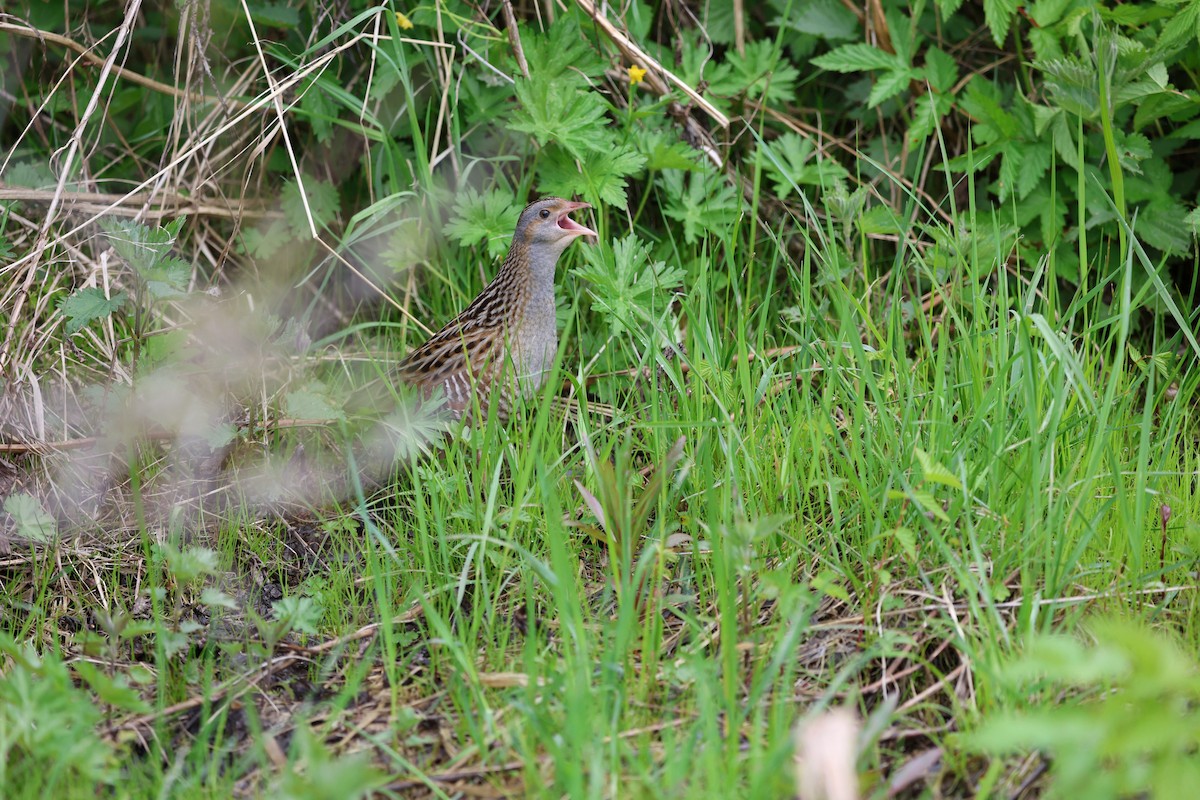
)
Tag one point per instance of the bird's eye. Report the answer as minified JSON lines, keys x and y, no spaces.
{"x":545,"y":213}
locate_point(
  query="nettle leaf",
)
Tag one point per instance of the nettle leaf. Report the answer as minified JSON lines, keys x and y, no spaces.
{"x":322,"y":198}
{"x":168,"y":279}
{"x":141,"y":246}
{"x":84,"y":306}
{"x":600,"y":178}
{"x":799,"y":165}
{"x":572,"y":118}
{"x":626,"y":286}
{"x":998,"y":14}
{"x":707,"y":202}
{"x":760,"y":74}
{"x":857,"y":58}
{"x":1164,"y":224}
{"x":1006,"y":179}
{"x":1072,"y":85}
{"x":1181,"y":29}
{"x":489,"y":217}
{"x":1132,"y":150}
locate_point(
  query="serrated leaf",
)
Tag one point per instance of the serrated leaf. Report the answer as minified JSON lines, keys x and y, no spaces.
{"x":935,"y":471}
{"x":998,"y":14}
{"x":1164,"y":224}
{"x":571,"y":118}
{"x":888,"y":85}
{"x":600,"y":178}
{"x":318,"y":110}
{"x":704,"y":204}
{"x":857,"y":57}
{"x":827,"y":19}
{"x":664,"y":151}
{"x":1035,"y":162}
{"x":312,"y":403}
{"x":928,"y":503}
{"x":796,"y":163}
{"x":940,"y":69}
{"x":31,"y":519}
{"x":168,"y":278}
{"x":760,"y":73}
{"x":322,"y":199}
{"x":274,"y":15}
{"x":562,"y":55}
{"x":86,"y":305}
{"x":264,"y":241}
{"x":489,"y":217}
{"x":627,"y":287}
{"x":215,"y":598}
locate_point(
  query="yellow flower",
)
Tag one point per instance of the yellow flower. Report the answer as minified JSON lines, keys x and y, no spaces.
{"x":636,"y":75}
{"x":404,"y":22}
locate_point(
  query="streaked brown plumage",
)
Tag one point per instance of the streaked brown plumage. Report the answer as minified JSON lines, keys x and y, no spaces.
{"x":506,"y":339}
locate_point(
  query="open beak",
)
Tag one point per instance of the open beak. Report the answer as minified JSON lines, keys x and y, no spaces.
{"x":569,"y":225}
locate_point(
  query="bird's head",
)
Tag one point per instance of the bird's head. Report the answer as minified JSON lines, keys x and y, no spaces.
{"x":547,"y":223}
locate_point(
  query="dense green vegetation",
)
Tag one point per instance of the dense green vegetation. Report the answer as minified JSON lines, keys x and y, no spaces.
{"x":876,"y":393}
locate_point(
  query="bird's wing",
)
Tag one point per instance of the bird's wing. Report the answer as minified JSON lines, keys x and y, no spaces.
{"x":461,"y":359}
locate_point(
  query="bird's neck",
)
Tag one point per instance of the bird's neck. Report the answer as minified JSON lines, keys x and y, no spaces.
{"x":532,"y":270}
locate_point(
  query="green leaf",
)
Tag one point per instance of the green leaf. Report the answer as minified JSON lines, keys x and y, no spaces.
{"x":827,"y":19}
{"x":935,"y":471}
{"x":665,"y":151}
{"x":299,"y":613}
{"x":312,"y":402}
{"x":573,"y":118}
{"x":796,"y":163}
{"x":318,"y":110}
{"x":562,"y":56}
{"x":998,"y":14}
{"x":1164,"y":224}
{"x":888,"y":85}
{"x":600,"y":178}
{"x":761,"y":74}
{"x":857,"y":58}
{"x":274,"y":15}
{"x":31,"y":519}
{"x":1034,"y":164}
{"x":940,"y":69}
{"x":626,"y":286}
{"x":265,"y":240}
{"x":323,"y":202}
{"x":114,"y":691}
{"x":706,"y":203}
{"x":489,"y":217}
{"x":86,"y":305}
